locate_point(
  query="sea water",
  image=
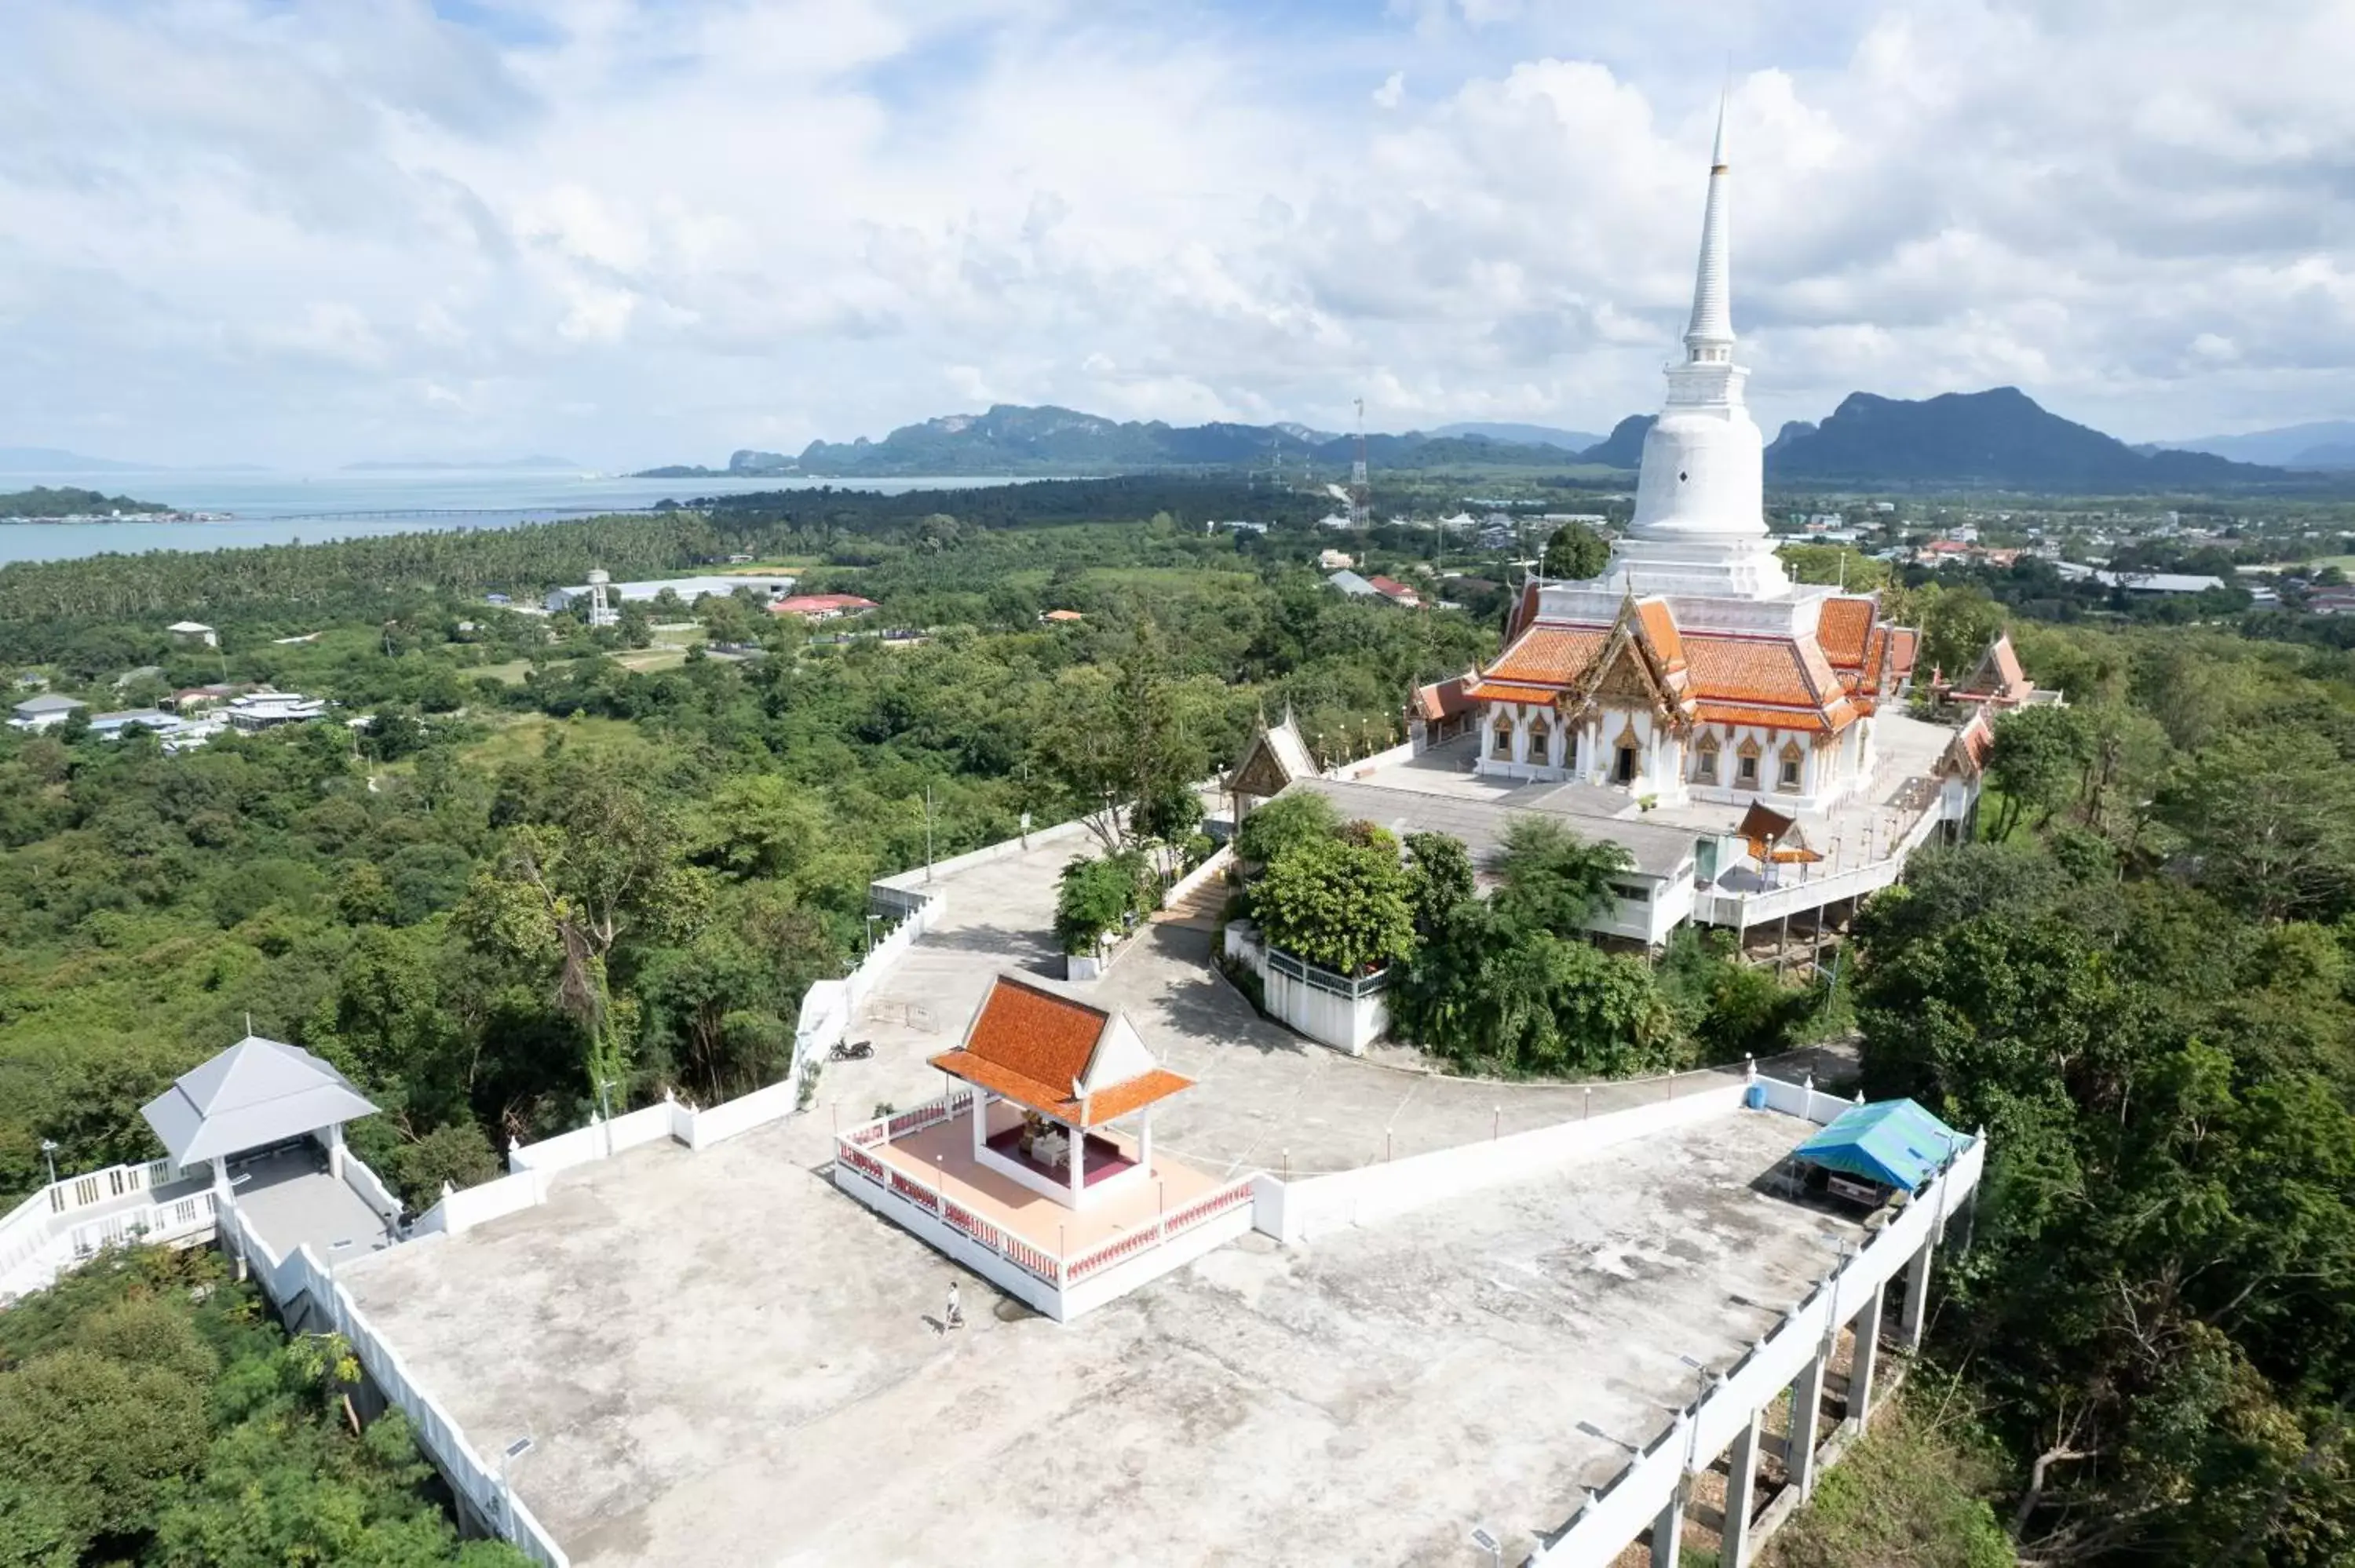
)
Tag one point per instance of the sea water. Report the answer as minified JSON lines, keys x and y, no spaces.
{"x":293,"y":508}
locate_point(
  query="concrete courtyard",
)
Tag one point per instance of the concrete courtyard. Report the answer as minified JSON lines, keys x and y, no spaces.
{"x":1266,"y":1098}
{"x":723,"y":1361}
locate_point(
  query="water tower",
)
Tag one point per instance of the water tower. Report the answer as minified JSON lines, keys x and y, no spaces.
{"x":601,"y":613}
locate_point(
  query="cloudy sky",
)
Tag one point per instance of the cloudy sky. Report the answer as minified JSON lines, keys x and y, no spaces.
{"x":633,"y":232}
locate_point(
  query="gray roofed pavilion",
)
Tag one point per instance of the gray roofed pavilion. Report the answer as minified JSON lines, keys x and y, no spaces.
{"x":255,"y":1093}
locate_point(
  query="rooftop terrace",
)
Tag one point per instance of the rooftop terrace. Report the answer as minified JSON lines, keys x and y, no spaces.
{"x":724,"y":1361}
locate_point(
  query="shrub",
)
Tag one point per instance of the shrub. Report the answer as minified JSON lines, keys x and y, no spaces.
{"x":1343,"y":907}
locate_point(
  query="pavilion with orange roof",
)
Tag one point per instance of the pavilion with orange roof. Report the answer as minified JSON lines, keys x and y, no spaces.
{"x":1070,"y":1069}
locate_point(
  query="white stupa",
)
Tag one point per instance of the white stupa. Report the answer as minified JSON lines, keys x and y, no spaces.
{"x":1699,"y":527}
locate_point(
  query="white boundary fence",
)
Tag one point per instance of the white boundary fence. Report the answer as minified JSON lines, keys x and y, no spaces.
{"x":290,"y":1279}
{"x":1301,"y":1209}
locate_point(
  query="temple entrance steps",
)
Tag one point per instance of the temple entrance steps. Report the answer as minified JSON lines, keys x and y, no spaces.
{"x":1197,"y":910}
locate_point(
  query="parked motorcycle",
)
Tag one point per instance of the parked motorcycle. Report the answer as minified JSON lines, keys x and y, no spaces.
{"x":851,"y":1051}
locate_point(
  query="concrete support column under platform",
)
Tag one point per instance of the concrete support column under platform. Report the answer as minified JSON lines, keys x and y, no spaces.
{"x":1799,"y":1443}
{"x":1915,"y":1314}
{"x":1864,"y":1356}
{"x":1741,"y":1495}
{"x":1668,"y":1531}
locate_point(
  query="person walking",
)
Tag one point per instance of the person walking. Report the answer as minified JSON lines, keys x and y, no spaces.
{"x":956,"y":1316}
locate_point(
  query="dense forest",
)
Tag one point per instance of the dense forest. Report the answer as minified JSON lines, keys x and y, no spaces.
{"x":2141,"y":982}
{"x":400,"y":896}
{"x":151,"y":1413}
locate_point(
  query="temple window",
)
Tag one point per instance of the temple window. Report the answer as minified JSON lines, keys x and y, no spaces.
{"x":1504,"y":751}
{"x":1787,"y":777}
{"x":1705,"y":761}
{"x":1540,"y":741}
{"x":1745,"y":766}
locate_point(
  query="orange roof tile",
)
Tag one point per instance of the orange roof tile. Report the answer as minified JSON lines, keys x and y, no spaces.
{"x":1444,"y":699}
{"x":1033,"y":1047}
{"x":1821,"y":721}
{"x":1843,"y":630}
{"x":1548,"y":655}
{"x":1035,"y":1033}
{"x":1507,"y":692}
{"x":1904,"y":641}
{"x":1660,"y":631}
{"x":1749,"y":669}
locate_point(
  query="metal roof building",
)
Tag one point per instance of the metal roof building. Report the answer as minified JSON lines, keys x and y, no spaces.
{"x":256,"y":1094}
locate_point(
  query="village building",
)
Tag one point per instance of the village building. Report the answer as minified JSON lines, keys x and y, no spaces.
{"x":823,"y":606}
{"x":194,"y":631}
{"x":44,"y":711}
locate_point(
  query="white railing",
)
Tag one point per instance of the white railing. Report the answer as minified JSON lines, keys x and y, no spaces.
{"x":57,"y":1225}
{"x":1214,"y":865}
{"x":1609,"y":1519}
{"x":291,"y":1278}
{"x":1745,"y":909}
{"x":919,"y":1206}
{"x":362,"y":1179}
{"x":1805,"y":1100}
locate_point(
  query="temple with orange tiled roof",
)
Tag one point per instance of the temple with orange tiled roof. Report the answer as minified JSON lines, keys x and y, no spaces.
{"x":1070,"y":1070}
{"x":1693,"y":669}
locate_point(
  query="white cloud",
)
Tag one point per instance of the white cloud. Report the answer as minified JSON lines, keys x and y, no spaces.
{"x":642,"y":231}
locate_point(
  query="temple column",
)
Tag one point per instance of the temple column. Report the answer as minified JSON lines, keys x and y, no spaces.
{"x":980,"y":1121}
{"x":1144,"y":1142}
{"x":1077,"y":1160}
{"x":335,"y":1150}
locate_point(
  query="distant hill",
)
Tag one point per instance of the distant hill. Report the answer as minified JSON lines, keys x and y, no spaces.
{"x":1624,"y":447}
{"x":1012,"y":440}
{"x":65,"y":500}
{"x":56,"y":459}
{"x":2324,"y":444}
{"x":1524,"y":435}
{"x":1999,"y":436}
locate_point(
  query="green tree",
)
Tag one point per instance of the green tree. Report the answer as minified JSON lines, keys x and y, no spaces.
{"x":1575,"y":553}
{"x":1293,"y":820}
{"x":565,"y":891}
{"x":2270,"y":814}
{"x":2038,"y":763}
{"x":1551,"y":880}
{"x":1343,"y":907}
{"x":1439,"y":868}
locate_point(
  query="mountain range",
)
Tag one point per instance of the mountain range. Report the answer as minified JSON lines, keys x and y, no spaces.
{"x":2328,"y":444}
{"x":1998,"y":438}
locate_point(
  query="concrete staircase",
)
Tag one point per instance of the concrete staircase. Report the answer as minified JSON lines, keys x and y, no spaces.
{"x":1198,"y":910}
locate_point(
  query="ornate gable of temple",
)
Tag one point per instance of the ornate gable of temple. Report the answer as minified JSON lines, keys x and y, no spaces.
{"x":1820,"y":682}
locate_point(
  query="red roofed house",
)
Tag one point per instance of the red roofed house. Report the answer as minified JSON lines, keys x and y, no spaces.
{"x":823,"y":606}
{"x":1396,"y":591}
{"x":1060,"y":1069}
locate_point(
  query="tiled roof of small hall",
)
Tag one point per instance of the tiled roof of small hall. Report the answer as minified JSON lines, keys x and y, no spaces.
{"x":1843,"y":630}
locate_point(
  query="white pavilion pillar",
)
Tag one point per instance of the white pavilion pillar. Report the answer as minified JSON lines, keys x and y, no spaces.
{"x":335,"y":1150}
{"x":1144,"y":1142}
{"x":980,"y":1120}
{"x":1077,"y":1158}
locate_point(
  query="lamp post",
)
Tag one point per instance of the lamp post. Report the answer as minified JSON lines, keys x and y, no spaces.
{"x":50,"y":1153}
{"x":604,"y":1085}
{"x":509,"y":1455}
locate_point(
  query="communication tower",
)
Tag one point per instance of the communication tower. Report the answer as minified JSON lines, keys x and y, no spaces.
{"x":1362,"y":495}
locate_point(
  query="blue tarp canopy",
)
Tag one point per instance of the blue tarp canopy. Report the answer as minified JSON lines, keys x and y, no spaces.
{"x":1893,"y":1142}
